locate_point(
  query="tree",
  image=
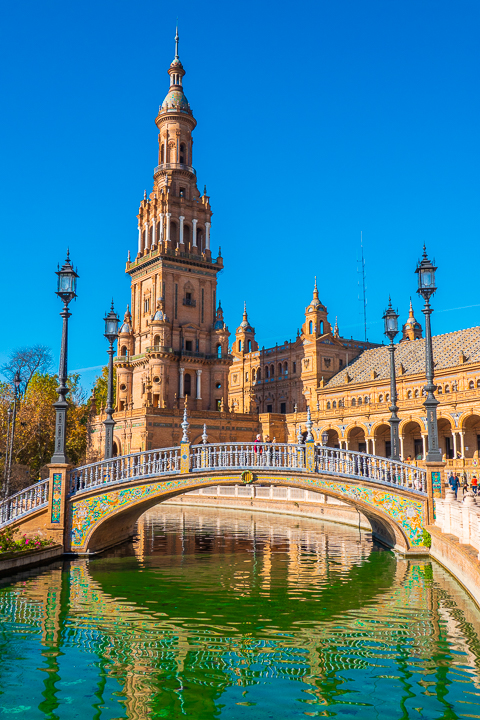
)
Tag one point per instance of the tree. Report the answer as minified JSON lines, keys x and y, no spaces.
{"x":100,"y":389}
{"x":28,"y":361}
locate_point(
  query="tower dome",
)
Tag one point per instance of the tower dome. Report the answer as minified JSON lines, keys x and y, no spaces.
{"x":175,"y":99}
{"x":412,"y":330}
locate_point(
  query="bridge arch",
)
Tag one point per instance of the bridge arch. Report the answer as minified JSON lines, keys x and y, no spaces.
{"x":103,"y":517}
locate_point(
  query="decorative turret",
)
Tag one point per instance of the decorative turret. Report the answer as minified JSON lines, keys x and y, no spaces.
{"x":221,"y":333}
{"x":160,"y":327}
{"x":412,"y":330}
{"x":316,"y":316}
{"x":245,"y":335}
{"x":125,"y":336}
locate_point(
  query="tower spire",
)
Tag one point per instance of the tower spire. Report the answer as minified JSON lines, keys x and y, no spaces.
{"x":176,"y":42}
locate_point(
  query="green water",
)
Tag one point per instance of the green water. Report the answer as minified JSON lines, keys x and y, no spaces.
{"x":224,"y":614}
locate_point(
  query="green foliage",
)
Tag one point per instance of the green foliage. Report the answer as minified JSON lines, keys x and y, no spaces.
{"x":10,"y":543}
{"x":427,"y":538}
{"x":100,"y":388}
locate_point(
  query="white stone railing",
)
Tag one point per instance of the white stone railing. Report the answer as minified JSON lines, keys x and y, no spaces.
{"x":272,"y":492}
{"x":24,"y":502}
{"x":128,"y":467}
{"x":459,"y":518}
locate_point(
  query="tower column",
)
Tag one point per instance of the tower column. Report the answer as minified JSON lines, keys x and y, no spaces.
{"x":145,"y":225}
{"x":181,"y":218}
{"x":182,"y":385}
{"x":140,"y":239}
{"x":167,"y":232}
{"x":154,"y":232}
{"x":162,"y":216}
{"x":207,"y":236}
{"x":199,"y":384}
{"x":194,"y":231}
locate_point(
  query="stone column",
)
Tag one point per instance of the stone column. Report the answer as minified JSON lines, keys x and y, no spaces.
{"x":199,"y":384}
{"x":181,"y":218}
{"x":140,"y":239}
{"x":167,"y":231}
{"x":401,"y":448}
{"x":194,"y":232}
{"x":424,"y":441}
{"x":147,"y":244}
{"x":462,"y":444}
{"x":154,"y":233}
{"x":373,"y":446}
{"x":181,"y":393}
{"x":454,"y":445}
{"x":207,"y":236}
{"x":162,"y":216}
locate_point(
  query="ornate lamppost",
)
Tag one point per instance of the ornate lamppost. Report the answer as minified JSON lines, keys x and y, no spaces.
{"x":390,"y":318}
{"x":111,"y":333}
{"x":426,"y":288}
{"x":324,"y":438}
{"x":66,"y":291}
{"x":12,"y":416}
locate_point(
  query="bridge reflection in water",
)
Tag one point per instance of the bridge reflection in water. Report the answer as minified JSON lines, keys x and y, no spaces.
{"x":219,"y":613}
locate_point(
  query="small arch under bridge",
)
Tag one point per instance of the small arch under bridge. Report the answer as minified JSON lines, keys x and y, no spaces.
{"x":95,"y":506}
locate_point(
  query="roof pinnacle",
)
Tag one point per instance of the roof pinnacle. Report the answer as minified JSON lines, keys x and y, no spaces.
{"x":176,"y":42}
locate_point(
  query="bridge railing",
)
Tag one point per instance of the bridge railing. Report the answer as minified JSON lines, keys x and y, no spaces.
{"x":332,"y":461}
{"x":128,"y":467}
{"x":24,"y":502}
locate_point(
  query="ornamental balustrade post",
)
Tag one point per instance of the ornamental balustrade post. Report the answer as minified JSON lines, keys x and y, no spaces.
{"x":309,"y":445}
{"x":57,"y":522}
{"x":435,"y":486}
{"x":185,"y":444}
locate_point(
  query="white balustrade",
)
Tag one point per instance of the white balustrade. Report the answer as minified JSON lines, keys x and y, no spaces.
{"x":460,"y":518}
{"x":24,"y":502}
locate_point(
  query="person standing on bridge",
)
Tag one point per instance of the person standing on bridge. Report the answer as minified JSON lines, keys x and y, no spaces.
{"x":258,"y":449}
{"x":474,"y":484}
{"x":454,"y":483}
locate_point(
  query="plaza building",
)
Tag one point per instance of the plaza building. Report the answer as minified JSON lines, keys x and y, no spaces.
{"x":173,"y":344}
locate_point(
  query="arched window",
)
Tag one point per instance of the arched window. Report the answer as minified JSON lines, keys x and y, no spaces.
{"x":183,"y":154}
{"x":249,"y":346}
{"x":478,"y":383}
{"x":354,"y":402}
{"x":200,"y":238}
{"x":285,"y":368}
{"x":328,"y":405}
{"x":173,"y":233}
{"x":253,"y":375}
{"x":359,"y":401}
{"x":334,"y":404}
{"x":239,"y":346}
{"x":156,"y":341}
{"x":280,"y":369}
{"x":447,"y":389}
{"x":219,"y":351}
{"x":321,"y":327}
{"x":380,"y":398}
{"x":366,"y":399}
{"x":471,"y":384}
{"x":310,"y":327}
{"x":187,"y":384}
{"x":246,"y":377}
{"x":272,"y":371}
{"x":266,"y":372}
{"x":124,"y":351}
{"x":162,"y":154}
{"x":417,"y":393}
{"x":409,"y":395}
{"x":387,"y":397}
{"x":439,"y":390}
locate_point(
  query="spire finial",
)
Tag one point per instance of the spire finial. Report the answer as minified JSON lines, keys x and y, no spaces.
{"x":309,"y":424}
{"x":245,"y":310}
{"x":335,"y":329}
{"x":410,"y":312}
{"x":176,"y":41}
{"x":185,"y":424}
{"x":204,"y":436}
{"x":315,"y":289}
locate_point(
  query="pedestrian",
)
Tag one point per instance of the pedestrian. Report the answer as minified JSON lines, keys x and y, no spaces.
{"x":474,"y":484}
{"x":454,"y":483}
{"x":268,"y":449}
{"x":465,"y":485}
{"x":257,"y":448}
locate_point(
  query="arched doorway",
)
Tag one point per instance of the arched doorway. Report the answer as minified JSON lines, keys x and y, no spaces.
{"x":471,"y":440}
{"x":356,"y":440}
{"x":445,"y":438}
{"x":412,"y":441}
{"x":383,"y":445}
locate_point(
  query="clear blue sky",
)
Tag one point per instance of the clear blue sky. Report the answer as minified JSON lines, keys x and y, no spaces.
{"x":316,"y":120}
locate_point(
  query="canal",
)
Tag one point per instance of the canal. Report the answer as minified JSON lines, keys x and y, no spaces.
{"x":223,"y":614}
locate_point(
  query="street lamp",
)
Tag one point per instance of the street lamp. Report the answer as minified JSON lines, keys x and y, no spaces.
{"x":426,"y":288}
{"x":324,"y":437}
{"x":390,"y":318}
{"x":66,"y":291}
{"x":111,"y":333}
{"x":12,"y":415}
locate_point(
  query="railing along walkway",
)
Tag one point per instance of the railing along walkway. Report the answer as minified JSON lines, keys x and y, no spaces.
{"x":24,"y":502}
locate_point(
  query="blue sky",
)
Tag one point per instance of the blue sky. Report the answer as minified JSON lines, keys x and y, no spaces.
{"x":316,"y":121}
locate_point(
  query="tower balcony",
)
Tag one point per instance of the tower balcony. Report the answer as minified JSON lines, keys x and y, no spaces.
{"x":174,"y":166}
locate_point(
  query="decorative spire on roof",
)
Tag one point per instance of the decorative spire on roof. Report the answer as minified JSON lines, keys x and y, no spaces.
{"x":176,"y":43}
{"x":315,"y":301}
{"x":219,"y":321}
{"x":336,"y":332}
{"x":412,"y":330}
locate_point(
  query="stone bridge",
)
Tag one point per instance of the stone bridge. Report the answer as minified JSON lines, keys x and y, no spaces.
{"x":93,"y":507}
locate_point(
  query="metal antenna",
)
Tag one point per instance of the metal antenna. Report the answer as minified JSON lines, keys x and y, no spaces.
{"x":364,"y":286}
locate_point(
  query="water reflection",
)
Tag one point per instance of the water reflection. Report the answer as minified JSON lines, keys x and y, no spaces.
{"x":217,"y":614}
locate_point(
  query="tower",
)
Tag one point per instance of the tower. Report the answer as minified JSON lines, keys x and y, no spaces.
{"x":412,"y":330}
{"x":178,"y":342}
{"x":245,"y":335}
{"x":316,"y":317}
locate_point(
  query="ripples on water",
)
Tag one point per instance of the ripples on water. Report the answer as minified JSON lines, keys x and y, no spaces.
{"x":219,"y":614}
